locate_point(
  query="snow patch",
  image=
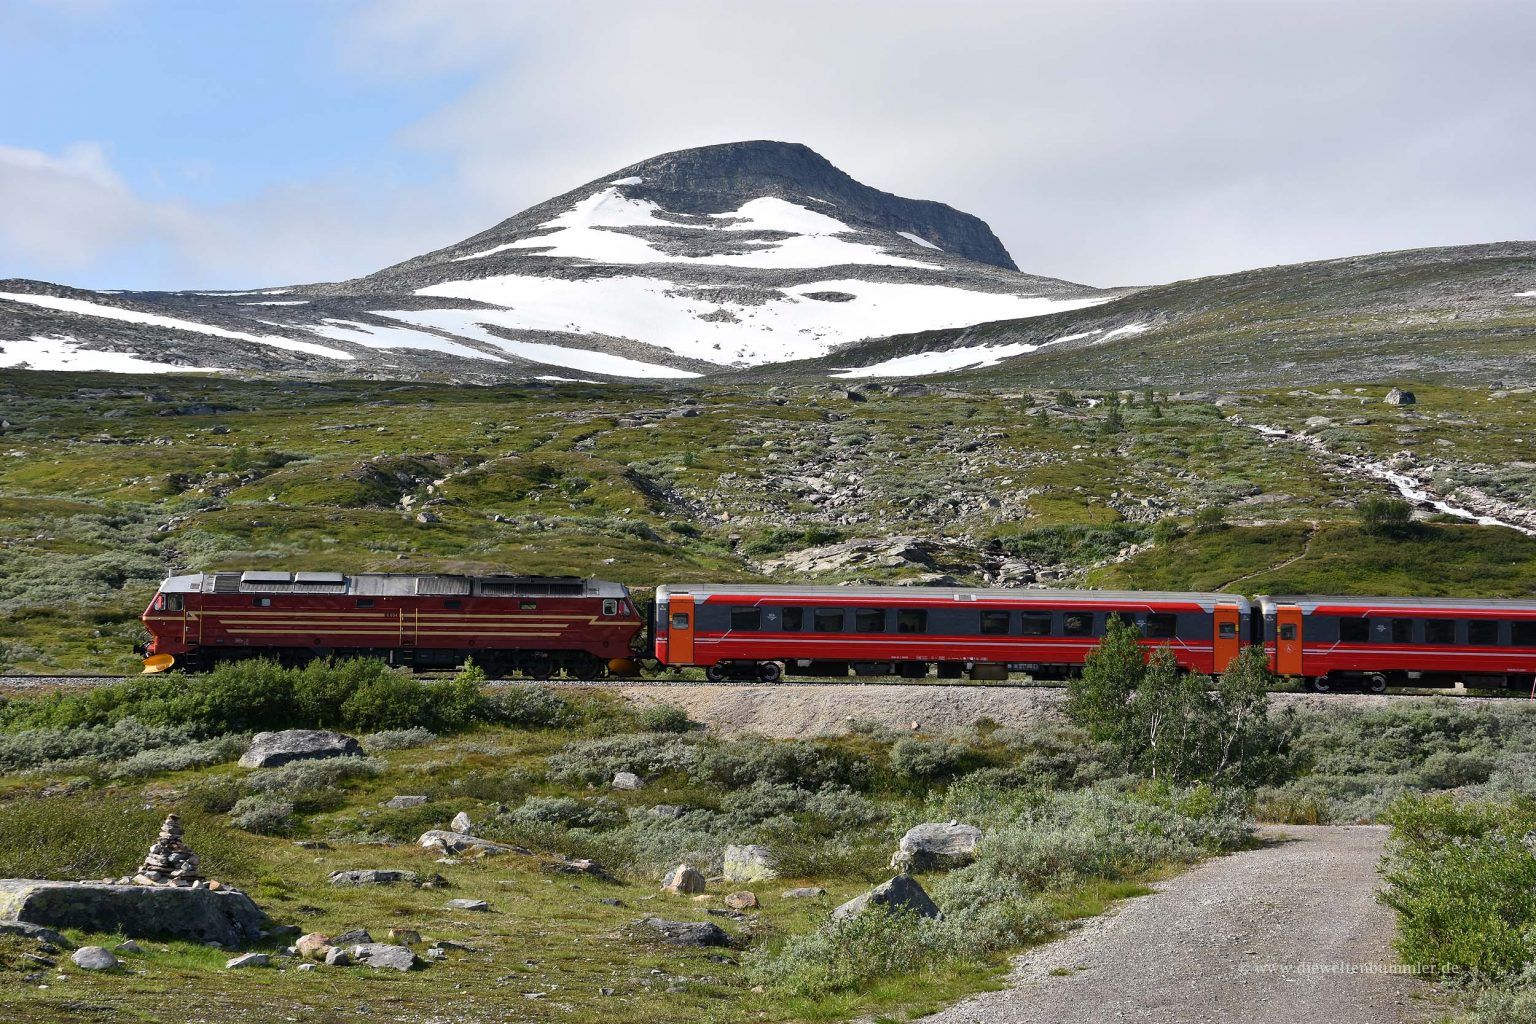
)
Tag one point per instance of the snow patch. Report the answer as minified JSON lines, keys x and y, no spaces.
{"x":134,"y":316}
{"x":920,"y":364}
{"x":288,"y":302}
{"x":1525,"y":295}
{"x":919,"y":239}
{"x":1124,"y":332}
{"x":769,"y":213}
{"x":220,"y":295}
{"x":373,"y":336}
{"x":64,"y":352}
{"x":621,"y":181}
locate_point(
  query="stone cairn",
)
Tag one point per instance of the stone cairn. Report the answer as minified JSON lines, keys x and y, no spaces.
{"x":170,"y":861}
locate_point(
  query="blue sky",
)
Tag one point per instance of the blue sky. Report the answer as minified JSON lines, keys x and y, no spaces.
{"x":234,"y":143}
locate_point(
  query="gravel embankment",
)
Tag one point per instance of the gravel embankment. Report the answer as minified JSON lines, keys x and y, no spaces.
{"x":1284,"y":934}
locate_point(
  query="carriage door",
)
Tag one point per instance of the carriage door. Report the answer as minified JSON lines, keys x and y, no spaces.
{"x":1228,"y":625}
{"x":1288,"y":640}
{"x":680,"y":630}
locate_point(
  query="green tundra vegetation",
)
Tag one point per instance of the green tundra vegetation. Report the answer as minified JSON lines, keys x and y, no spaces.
{"x":108,"y":483}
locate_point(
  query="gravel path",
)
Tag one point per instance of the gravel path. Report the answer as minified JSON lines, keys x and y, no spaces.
{"x":1284,"y":934}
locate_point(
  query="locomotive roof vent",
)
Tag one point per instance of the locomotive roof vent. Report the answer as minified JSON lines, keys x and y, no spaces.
{"x":265,"y":577}
{"x":319,"y":582}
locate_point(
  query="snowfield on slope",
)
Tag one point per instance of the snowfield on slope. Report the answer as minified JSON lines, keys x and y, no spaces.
{"x":659,"y":312}
{"x":63,"y":352}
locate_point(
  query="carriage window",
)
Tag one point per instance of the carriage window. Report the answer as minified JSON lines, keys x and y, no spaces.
{"x":869,"y":620}
{"x":679,"y":620}
{"x":748,"y":619}
{"x":1077,"y":623}
{"x":912,"y":620}
{"x":1354,"y":631}
{"x":1523,"y":634}
{"x":1402,"y":631}
{"x":994,"y":623}
{"x":1439,"y":631}
{"x":610,"y":606}
{"x":794,"y":620}
{"x":262,"y":602}
{"x":1227,"y":631}
{"x":528,"y":606}
{"x":827,"y":620}
{"x":1162,"y":626}
{"x":1482,"y":631}
{"x":1037,"y":623}
{"x":1288,"y":631}
{"x":174,"y":602}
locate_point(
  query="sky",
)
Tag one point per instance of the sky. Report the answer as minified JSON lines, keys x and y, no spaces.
{"x":180,"y":144}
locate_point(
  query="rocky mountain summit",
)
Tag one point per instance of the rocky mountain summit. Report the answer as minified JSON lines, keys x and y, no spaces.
{"x":685,"y":264}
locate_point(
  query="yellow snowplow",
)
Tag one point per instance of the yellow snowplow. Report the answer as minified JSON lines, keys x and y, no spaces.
{"x":158,"y":663}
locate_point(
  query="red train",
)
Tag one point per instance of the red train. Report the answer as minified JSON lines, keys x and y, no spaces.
{"x":538,"y":626}
{"x":535,"y":625}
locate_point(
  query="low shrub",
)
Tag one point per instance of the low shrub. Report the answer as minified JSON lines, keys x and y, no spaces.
{"x":666,"y":718}
{"x":648,"y":753}
{"x":398,"y":739}
{"x":530,"y":707}
{"x":926,"y":760}
{"x":568,"y":812}
{"x":805,"y":763}
{"x":264,"y":813}
{"x":836,"y":805}
{"x":847,"y":955}
{"x":298,"y":779}
{"x":122,"y":739}
{"x":199,"y":754}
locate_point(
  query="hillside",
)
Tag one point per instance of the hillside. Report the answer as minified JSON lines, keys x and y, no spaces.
{"x":684,"y":264}
{"x":1464,"y":313}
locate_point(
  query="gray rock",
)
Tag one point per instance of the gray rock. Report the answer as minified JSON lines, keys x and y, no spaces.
{"x":936,"y":845}
{"x":900,"y":893}
{"x":373,"y":876}
{"x":248,"y":960}
{"x":128,"y":946}
{"x":270,"y":749}
{"x":686,"y":933}
{"x":352,"y":938}
{"x":683,"y":880}
{"x":803,"y":892}
{"x":382,"y":956}
{"x":667,"y":811}
{"x":437,"y":953}
{"x":749,"y":864}
{"x":224,"y":917}
{"x":337,"y":957}
{"x":400,"y":803}
{"x":628,"y":780}
{"x":460,"y":842}
{"x":308,"y":967}
{"x":461,"y":823}
{"x":35,"y":931}
{"x":95,"y":958}
{"x":1397,"y":396}
{"x":481,"y":905}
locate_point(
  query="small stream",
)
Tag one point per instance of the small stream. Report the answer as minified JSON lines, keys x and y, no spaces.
{"x":1407,"y":486}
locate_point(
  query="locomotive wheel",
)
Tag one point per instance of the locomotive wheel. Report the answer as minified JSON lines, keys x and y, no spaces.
{"x":770,"y":671}
{"x":540,"y":666}
{"x":1376,"y":683}
{"x":1320,"y":684}
{"x":715,"y":673}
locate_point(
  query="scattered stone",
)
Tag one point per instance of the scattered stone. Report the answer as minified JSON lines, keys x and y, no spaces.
{"x":900,"y":893}
{"x":935,"y":845}
{"x":610,"y":901}
{"x":337,"y":957}
{"x":667,"y":811}
{"x":373,"y":876}
{"x":686,"y":933}
{"x":352,"y":938}
{"x":248,"y":960}
{"x":29,"y":930}
{"x":271,"y":749}
{"x":450,"y":944}
{"x":461,"y":823}
{"x":405,"y":936}
{"x":313,"y":946}
{"x":383,"y":956}
{"x":683,"y":880}
{"x":400,"y":803}
{"x":743,"y":900}
{"x":627,"y":780}
{"x":128,"y":946}
{"x":1397,"y":396}
{"x":94,"y":958}
{"x":480,"y":905}
{"x":308,"y":967}
{"x":804,"y":892}
{"x":578,"y":866}
{"x":749,"y":864}
{"x":437,"y":954}
{"x":462,"y":843}
{"x":311,"y":844}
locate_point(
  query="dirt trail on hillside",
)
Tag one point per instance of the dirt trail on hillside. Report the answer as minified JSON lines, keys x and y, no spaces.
{"x":1285,"y":934}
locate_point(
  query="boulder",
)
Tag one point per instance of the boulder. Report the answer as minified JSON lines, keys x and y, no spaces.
{"x":224,"y":916}
{"x":683,"y":880}
{"x":900,"y":893}
{"x":400,"y":803}
{"x":686,"y":933}
{"x":578,"y":866}
{"x":405,"y":936}
{"x":936,"y":845}
{"x":749,"y":864}
{"x":803,"y":892}
{"x":460,"y":842}
{"x":743,"y":900}
{"x":627,"y":780}
{"x":313,"y":946}
{"x":248,"y":960}
{"x":383,"y":956}
{"x":461,"y":823}
{"x":337,"y":957}
{"x":667,"y":811}
{"x":373,"y":876}
{"x":352,"y":938}
{"x":95,"y":958}
{"x":1397,"y":396}
{"x":480,"y":905}
{"x":270,"y":749}
{"x":35,"y":931}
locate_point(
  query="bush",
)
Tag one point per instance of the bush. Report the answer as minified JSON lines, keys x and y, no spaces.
{"x":927,"y":760}
{"x":743,"y":762}
{"x":530,"y":707}
{"x":31,"y":748}
{"x":263,"y":813}
{"x":298,"y":779}
{"x":1384,"y":516}
{"x":1463,"y":883}
{"x":848,"y":954}
{"x":837,"y":805}
{"x":201,"y":754}
{"x":596,"y":761}
{"x":398,"y":739}
{"x":666,"y":718}
{"x":568,"y":812}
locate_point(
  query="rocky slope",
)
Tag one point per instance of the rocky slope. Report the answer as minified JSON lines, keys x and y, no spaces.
{"x":684,"y":264}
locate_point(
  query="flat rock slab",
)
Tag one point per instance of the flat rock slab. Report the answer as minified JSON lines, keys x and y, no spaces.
{"x":35,"y":931}
{"x":271,"y":749}
{"x":373,"y":876}
{"x":686,"y":933}
{"x":1288,"y":933}
{"x":383,"y":956}
{"x":450,"y":842}
{"x":222,"y":916}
